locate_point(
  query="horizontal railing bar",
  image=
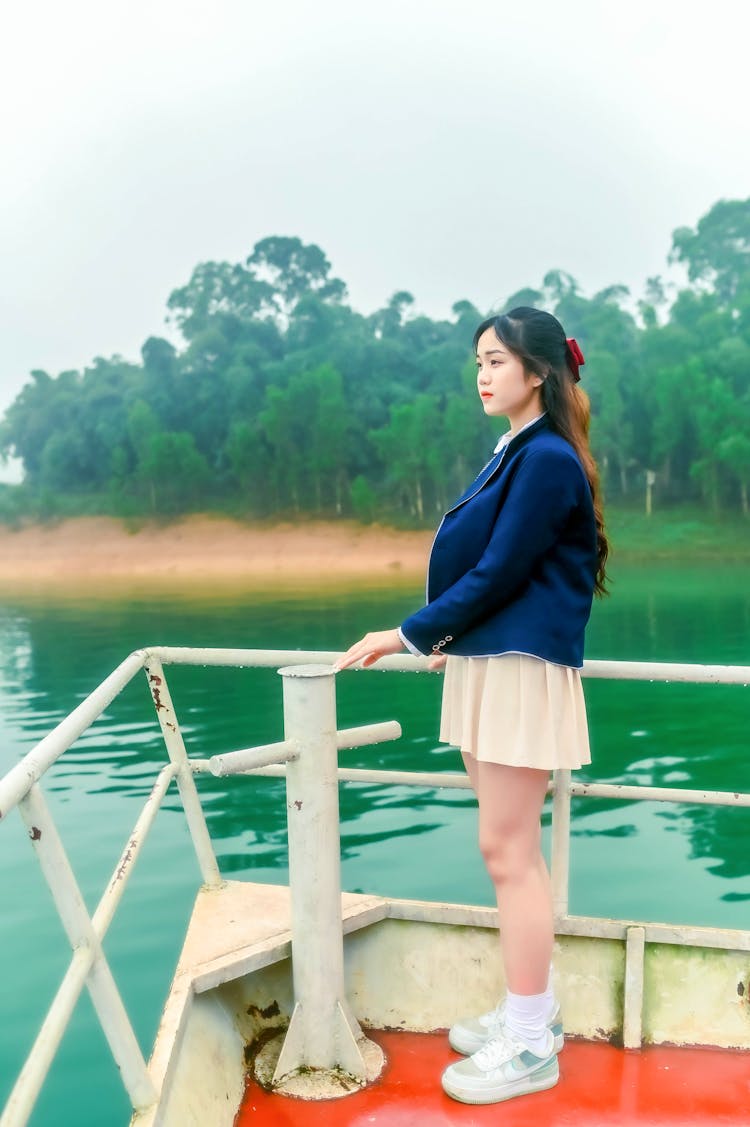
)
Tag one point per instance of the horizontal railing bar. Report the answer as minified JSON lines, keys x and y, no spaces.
{"x":624,"y":792}
{"x":365,"y":734}
{"x":184,"y":655}
{"x":477,"y":915}
{"x":681,"y":935}
{"x":249,"y":758}
{"x":357,"y":775}
{"x":598,"y":668}
{"x":667,"y":671}
{"x":21,"y":778}
{"x":444,"y":780}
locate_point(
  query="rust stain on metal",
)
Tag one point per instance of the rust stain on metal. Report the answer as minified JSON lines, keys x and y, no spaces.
{"x":154,"y":681}
{"x":741,"y":989}
{"x":125,"y":860}
{"x":35,"y":833}
{"x":169,"y":724}
{"x":298,"y":803}
{"x":265,"y":1012}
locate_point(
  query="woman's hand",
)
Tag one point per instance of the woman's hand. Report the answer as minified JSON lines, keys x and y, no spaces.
{"x":437,"y":662}
{"x":370,"y":648}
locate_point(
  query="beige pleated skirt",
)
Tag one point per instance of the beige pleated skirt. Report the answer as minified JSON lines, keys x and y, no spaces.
{"x":516,"y":710}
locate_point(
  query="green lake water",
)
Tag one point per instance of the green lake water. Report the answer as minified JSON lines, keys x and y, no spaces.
{"x":635,"y":860}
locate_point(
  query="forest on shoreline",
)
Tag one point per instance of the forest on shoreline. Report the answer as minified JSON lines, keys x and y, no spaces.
{"x":285,"y":401}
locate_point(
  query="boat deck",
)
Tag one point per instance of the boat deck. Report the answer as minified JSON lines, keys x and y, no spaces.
{"x":600,"y":1086}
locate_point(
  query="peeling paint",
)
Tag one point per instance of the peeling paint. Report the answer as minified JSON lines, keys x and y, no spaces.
{"x":35,"y":833}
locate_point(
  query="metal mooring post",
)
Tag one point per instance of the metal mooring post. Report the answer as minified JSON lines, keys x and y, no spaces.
{"x":323,"y":1034}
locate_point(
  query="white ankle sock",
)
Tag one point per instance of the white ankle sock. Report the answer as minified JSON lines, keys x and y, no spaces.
{"x":526,"y":1017}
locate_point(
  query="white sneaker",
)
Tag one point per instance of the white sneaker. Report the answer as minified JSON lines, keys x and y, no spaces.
{"x":500,"y":1070}
{"x":471,"y":1033}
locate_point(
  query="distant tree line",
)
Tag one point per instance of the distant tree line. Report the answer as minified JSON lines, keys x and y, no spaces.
{"x":284,"y":400}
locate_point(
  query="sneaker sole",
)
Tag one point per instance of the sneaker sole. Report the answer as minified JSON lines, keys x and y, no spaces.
{"x":467,"y":1043}
{"x":539,"y":1081}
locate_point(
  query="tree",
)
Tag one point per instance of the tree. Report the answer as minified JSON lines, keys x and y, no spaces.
{"x":284,"y":395}
{"x":249,"y":461}
{"x":525,"y":296}
{"x":611,"y":432}
{"x":734,"y":452}
{"x":410,"y":448}
{"x":39,"y":411}
{"x":654,"y":301}
{"x":174,"y":472}
{"x":364,"y":499}
{"x":717,"y":251}
{"x":715,"y":420}
{"x":219,"y":291}
{"x":293,"y":269}
{"x":559,"y":285}
{"x":389,"y":321}
{"x":329,"y":432}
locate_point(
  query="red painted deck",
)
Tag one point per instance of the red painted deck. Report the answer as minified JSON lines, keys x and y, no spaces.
{"x":600,"y":1086}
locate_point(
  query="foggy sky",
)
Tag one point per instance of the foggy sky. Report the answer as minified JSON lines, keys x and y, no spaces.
{"x":454,"y":150}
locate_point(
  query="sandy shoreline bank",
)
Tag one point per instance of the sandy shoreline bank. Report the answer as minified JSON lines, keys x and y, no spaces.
{"x":202,"y":548}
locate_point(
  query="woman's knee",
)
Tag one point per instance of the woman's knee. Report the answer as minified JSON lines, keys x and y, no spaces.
{"x":508,"y":857}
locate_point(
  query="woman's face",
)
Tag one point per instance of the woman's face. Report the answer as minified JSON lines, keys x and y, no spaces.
{"x":503,"y":385}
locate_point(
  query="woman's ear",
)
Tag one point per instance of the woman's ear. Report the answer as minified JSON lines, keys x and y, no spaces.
{"x":538,"y":378}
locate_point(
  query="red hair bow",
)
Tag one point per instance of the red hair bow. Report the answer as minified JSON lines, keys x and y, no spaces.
{"x":574,"y":356}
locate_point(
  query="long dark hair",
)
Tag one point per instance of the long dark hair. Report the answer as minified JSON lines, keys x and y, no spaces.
{"x":538,"y":340}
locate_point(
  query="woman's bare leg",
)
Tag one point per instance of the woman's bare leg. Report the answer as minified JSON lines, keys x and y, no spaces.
{"x":510,"y":807}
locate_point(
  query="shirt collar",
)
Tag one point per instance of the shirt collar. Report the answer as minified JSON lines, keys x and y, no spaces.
{"x":508,"y":436}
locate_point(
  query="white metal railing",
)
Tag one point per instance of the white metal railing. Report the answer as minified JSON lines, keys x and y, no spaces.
{"x":311,"y":741}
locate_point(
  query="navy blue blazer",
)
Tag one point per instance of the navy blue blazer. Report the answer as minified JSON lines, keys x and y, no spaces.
{"x":513,"y":563}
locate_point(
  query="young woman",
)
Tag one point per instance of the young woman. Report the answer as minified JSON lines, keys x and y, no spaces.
{"x":512,"y":573}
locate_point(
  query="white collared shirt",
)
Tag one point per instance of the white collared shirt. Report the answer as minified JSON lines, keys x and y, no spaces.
{"x":509,"y":435}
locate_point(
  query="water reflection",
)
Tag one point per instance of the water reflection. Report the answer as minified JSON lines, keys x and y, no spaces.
{"x":51,"y":656}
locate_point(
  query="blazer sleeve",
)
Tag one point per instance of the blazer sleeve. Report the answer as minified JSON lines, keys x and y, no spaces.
{"x":540,"y":499}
